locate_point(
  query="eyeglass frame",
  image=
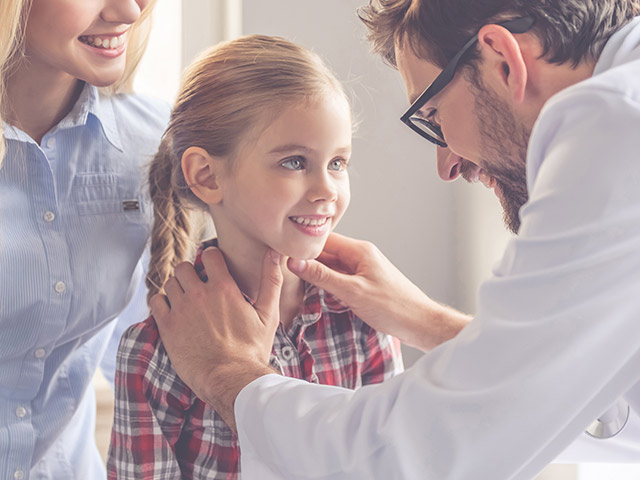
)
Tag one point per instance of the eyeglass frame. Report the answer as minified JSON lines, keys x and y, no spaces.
{"x":516,"y":25}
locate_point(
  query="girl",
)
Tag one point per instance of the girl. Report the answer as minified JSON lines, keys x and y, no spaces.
{"x":260,"y":137}
{"x":73,"y":219}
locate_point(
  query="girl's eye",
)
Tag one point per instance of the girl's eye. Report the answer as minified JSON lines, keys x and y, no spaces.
{"x":338,"y":165}
{"x":293,"y":163}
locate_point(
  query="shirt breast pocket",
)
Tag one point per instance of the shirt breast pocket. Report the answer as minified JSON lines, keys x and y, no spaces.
{"x":102,"y":194}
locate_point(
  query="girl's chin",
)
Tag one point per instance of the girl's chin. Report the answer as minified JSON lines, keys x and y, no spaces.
{"x":309,"y":255}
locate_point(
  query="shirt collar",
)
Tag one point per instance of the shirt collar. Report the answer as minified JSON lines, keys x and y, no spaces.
{"x":13,"y":133}
{"x":619,"y":47}
{"x":100,"y":106}
{"x":90,"y":102}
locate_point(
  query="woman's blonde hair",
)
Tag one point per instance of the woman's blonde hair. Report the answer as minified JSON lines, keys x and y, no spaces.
{"x":227,"y":95}
{"x":13,"y":20}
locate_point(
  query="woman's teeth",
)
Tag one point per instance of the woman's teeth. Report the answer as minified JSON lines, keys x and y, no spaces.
{"x":314,"y":222}
{"x":103,"y":42}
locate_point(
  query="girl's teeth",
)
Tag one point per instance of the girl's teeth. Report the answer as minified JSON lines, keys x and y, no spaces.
{"x":308,"y":221}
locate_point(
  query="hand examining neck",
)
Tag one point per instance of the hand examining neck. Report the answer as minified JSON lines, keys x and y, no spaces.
{"x":218,"y":342}
{"x":358,"y":274}
{"x":244,"y":263}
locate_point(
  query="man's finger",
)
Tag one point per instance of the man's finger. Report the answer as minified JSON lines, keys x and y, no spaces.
{"x":317,"y":274}
{"x":187,"y":276}
{"x":345,"y":249}
{"x":214,"y":265}
{"x":173,"y":289}
{"x":159,"y":305}
{"x":333,"y":262}
{"x":268,"y":302}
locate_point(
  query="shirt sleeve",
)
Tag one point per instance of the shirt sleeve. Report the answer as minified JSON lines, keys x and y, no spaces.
{"x":132,"y":313}
{"x":553,"y":344}
{"x":151,"y":403}
{"x":382,"y":356}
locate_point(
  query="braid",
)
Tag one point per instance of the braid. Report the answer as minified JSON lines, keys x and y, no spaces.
{"x":171,"y":226}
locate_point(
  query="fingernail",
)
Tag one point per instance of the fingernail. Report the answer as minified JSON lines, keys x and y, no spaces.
{"x":297,"y":266}
{"x":275,"y":257}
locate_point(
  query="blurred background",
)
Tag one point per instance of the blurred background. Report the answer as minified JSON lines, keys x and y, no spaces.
{"x":444,"y":237}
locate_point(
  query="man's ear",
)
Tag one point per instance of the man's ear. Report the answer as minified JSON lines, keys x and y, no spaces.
{"x":503,"y":61}
{"x":202,"y":174}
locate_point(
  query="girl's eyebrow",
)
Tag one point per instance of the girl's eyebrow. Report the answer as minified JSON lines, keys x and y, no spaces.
{"x":291,"y":147}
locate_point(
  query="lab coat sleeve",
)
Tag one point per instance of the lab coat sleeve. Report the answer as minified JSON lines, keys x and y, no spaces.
{"x":553,"y":344}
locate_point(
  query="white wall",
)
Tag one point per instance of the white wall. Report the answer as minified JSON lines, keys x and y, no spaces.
{"x":159,"y":72}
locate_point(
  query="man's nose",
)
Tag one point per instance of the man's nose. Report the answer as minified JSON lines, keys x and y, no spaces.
{"x":449,"y":164}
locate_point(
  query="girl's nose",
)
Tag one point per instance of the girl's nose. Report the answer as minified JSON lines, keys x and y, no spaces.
{"x":322,"y":188}
{"x":449,"y":164}
{"x":123,"y":11}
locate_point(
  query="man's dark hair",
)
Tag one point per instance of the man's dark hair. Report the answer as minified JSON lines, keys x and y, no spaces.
{"x":569,"y":30}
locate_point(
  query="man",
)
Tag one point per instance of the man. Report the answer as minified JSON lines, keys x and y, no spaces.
{"x":553,"y":89}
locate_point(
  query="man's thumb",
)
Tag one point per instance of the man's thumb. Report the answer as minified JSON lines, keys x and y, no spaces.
{"x":268,"y":302}
{"x":315,"y":273}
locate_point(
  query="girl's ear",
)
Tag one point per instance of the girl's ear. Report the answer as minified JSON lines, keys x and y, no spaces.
{"x":503,"y":61}
{"x":202,"y":174}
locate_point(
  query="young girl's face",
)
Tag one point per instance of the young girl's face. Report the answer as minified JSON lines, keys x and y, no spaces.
{"x":82,"y":39}
{"x":289,"y":188}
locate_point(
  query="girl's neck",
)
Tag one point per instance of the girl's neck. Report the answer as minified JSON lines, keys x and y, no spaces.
{"x":38,"y":101}
{"x":245,"y":266}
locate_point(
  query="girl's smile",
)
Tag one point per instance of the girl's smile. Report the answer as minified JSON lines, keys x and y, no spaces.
{"x":288,"y":189}
{"x":315,"y":225}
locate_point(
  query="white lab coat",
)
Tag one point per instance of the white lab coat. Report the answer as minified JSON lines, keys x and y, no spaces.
{"x":555,"y":340}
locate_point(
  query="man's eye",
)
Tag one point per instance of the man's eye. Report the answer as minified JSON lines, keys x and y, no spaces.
{"x":430,"y":116}
{"x":293,"y":163}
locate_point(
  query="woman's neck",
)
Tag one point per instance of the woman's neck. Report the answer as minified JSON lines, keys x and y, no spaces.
{"x":245,"y":266}
{"x":38,"y":101}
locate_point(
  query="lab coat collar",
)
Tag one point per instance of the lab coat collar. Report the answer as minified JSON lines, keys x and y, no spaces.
{"x":622,"y":47}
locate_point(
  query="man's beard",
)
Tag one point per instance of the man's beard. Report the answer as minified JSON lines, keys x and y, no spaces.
{"x":503,"y":150}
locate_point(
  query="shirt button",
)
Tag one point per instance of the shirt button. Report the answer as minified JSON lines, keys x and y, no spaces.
{"x":287,"y":352}
{"x":60,"y":287}
{"x":49,"y":216}
{"x":51,"y":143}
{"x":39,"y":353}
{"x":18,"y":474}
{"x":21,"y":411}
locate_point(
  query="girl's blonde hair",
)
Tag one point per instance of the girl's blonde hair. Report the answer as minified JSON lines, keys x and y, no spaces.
{"x":227,"y":95}
{"x":13,"y":20}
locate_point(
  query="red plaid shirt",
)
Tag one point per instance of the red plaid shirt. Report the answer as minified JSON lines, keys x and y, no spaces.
{"x":162,"y":430}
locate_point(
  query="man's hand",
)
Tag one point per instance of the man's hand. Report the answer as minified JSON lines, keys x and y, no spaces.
{"x":364,"y":279}
{"x":218,"y":342}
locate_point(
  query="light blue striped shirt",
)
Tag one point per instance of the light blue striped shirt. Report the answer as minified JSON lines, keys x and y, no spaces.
{"x":74,"y":221}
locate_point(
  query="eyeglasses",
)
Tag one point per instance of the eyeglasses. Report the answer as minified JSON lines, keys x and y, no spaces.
{"x":425,"y":127}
